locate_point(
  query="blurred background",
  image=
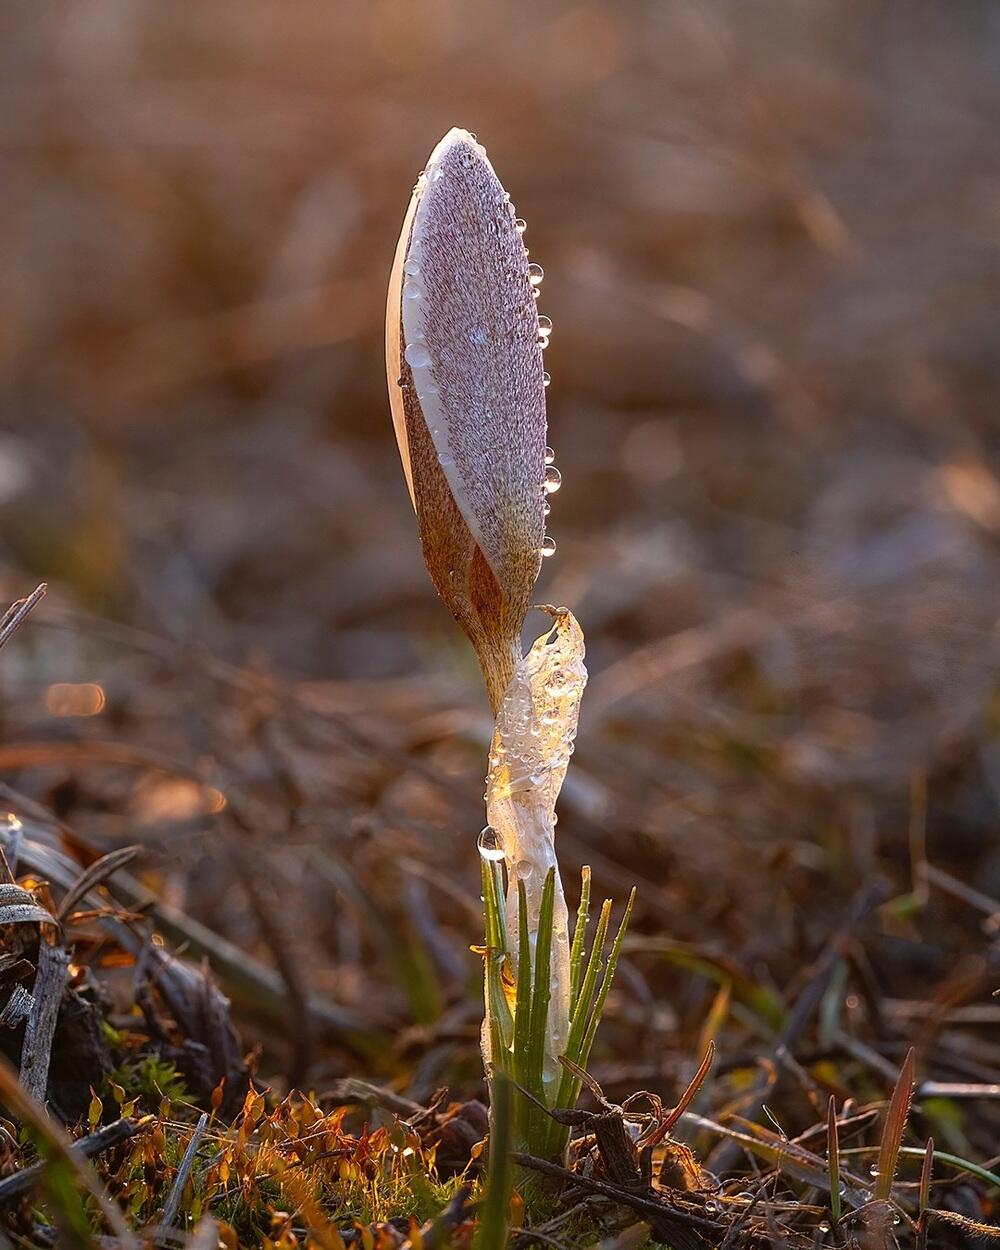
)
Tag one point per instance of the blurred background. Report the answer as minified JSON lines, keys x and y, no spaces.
{"x":770,"y":235}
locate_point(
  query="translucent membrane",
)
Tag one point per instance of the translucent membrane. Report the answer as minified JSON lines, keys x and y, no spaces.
{"x":532,"y":743}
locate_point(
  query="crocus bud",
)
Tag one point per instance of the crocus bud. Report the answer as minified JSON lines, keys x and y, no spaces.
{"x":464,"y":366}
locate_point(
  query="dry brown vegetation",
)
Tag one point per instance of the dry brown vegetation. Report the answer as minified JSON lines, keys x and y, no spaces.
{"x":770,"y":239}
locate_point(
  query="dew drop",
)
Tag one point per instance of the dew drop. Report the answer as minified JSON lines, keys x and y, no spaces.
{"x":445,"y":461}
{"x":546,"y":379}
{"x":490,"y":844}
{"x":417,"y":356}
{"x":548,"y":546}
{"x":520,"y":225}
{"x":536,"y":291}
{"x":535,"y":273}
{"x":544,"y":325}
{"x":823,"y":1227}
{"x":525,"y":868}
{"x":411,"y":268}
{"x":553,"y":480}
{"x":411,"y":290}
{"x":546,"y":508}
{"x":550,"y":455}
{"x":874,"y":1169}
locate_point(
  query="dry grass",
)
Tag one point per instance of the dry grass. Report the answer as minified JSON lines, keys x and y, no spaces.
{"x":770,"y":241}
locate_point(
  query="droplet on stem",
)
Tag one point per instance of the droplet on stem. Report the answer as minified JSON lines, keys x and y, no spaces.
{"x":548,"y":546}
{"x":490,"y":844}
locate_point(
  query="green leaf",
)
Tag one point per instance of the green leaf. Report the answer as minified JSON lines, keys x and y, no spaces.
{"x":579,"y":937}
{"x":493,"y":1222}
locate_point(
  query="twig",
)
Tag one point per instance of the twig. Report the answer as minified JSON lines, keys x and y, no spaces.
{"x":649,"y":1206}
{"x":87,"y":1147}
{"x":17,"y":613}
{"x":173,"y":1203}
{"x":53,"y":965}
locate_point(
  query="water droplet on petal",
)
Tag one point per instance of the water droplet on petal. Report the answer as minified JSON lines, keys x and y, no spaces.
{"x":412,"y":290}
{"x":546,"y":508}
{"x":525,"y":868}
{"x":546,"y":379}
{"x":553,"y":480}
{"x":544,"y":325}
{"x":520,"y":225}
{"x":550,"y":455}
{"x":548,"y":546}
{"x":535,"y":273}
{"x":411,"y":268}
{"x":490,"y":844}
{"x":445,"y":461}
{"x":417,"y":356}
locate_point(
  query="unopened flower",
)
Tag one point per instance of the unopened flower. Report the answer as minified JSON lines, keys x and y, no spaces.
{"x":467,"y":388}
{"x":464,"y":357}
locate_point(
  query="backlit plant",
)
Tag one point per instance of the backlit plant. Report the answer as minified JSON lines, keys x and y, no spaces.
{"x":464,"y":346}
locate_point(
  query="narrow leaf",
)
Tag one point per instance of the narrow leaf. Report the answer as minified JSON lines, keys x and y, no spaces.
{"x":833,"y":1158}
{"x":579,"y":936}
{"x":694,"y":1085}
{"x":895,"y":1126}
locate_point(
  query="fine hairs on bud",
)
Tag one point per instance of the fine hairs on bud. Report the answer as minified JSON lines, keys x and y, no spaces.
{"x":467,"y":389}
{"x":464,"y":348}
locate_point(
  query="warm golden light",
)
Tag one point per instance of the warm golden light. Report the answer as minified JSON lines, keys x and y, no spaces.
{"x":66,"y":698}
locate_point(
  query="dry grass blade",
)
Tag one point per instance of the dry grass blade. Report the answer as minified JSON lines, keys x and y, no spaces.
{"x":974,"y":1229}
{"x":18,"y":906}
{"x":833,"y":1158}
{"x":98,"y":872}
{"x":694,"y":1085}
{"x":173,"y":1203}
{"x":895,"y":1125}
{"x":926,"y":1171}
{"x":18,"y":611}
